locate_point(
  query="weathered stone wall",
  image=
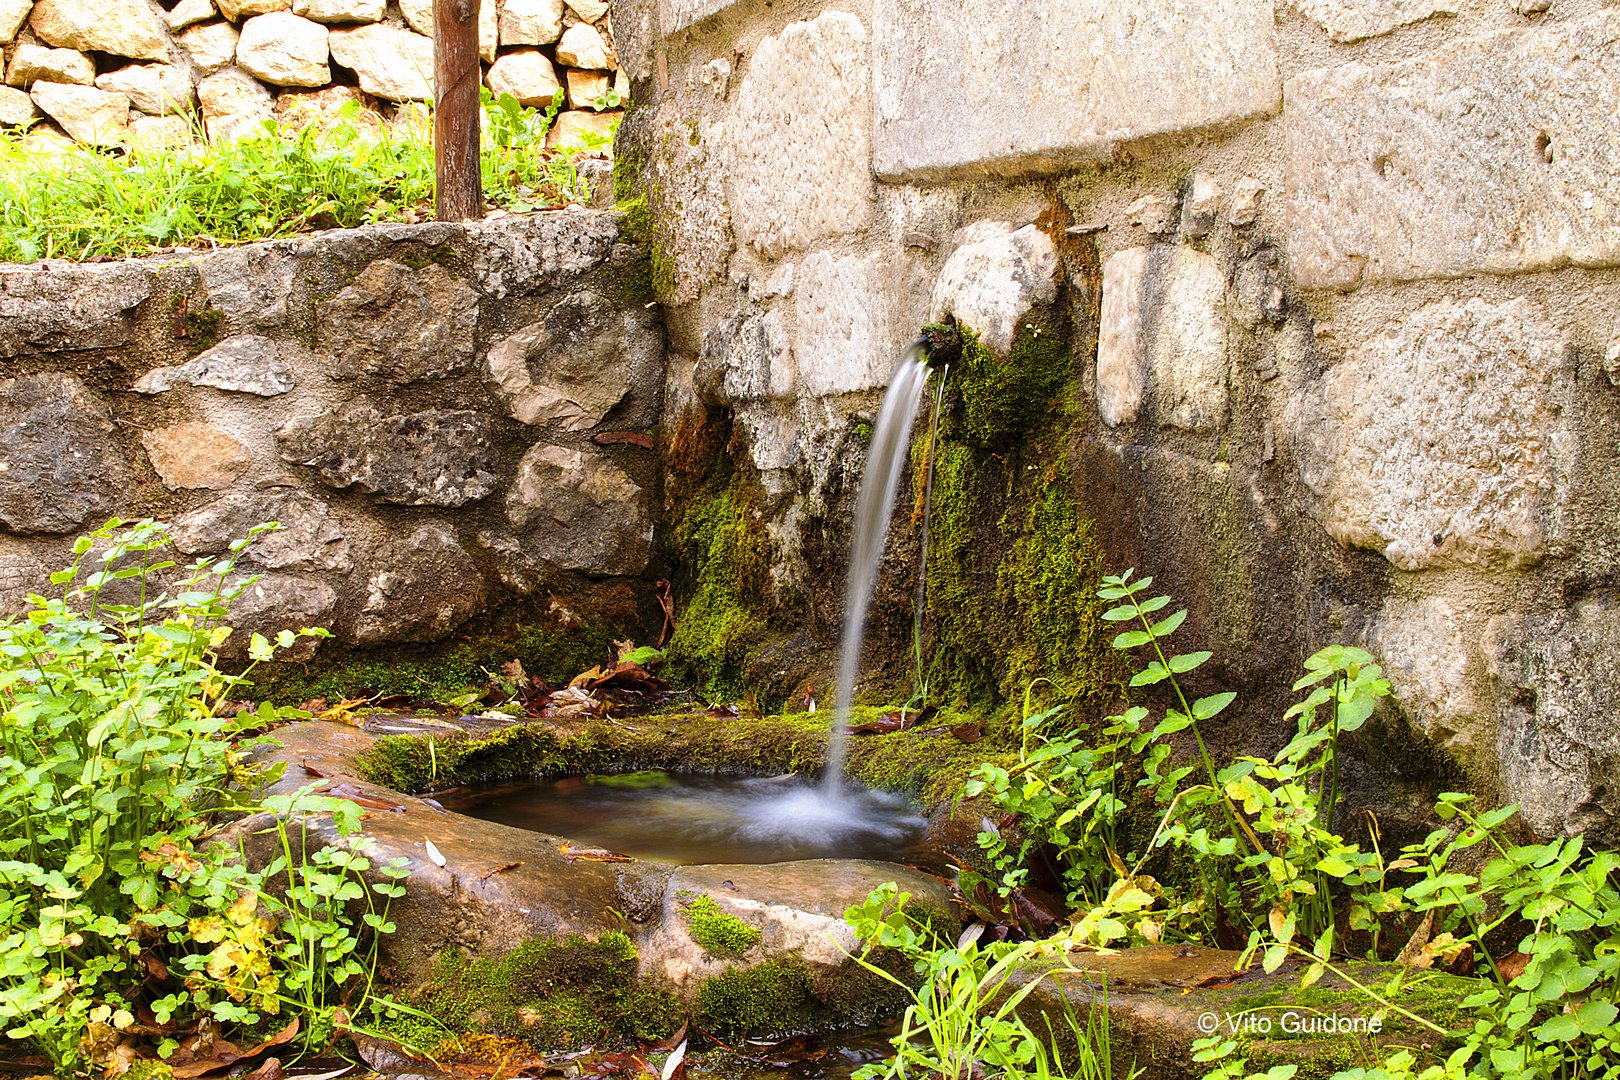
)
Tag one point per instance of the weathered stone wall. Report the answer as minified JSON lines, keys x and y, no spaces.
{"x":449,"y":421}
{"x":151,"y":74}
{"x":1342,"y":282}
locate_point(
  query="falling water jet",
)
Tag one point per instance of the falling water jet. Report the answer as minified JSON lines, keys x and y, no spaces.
{"x":885,"y":462}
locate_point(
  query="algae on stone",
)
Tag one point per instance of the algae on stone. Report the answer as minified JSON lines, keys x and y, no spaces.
{"x":720,"y":934}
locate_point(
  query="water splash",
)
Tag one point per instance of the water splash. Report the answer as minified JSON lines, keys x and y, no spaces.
{"x":885,"y":463}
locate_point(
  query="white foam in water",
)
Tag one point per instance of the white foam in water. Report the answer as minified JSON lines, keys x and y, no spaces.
{"x":709,"y":819}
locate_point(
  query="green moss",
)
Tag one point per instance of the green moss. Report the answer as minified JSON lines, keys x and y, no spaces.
{"x":725,"y":558}
{"x":1000,"y":399}
{"x":201,"y":324}
{"x":1049,"y":581}
{"x":552,"y":994}
{"x":437,"y":672}
{"x":772,"y":999}
{"x":720,"y":934}
{"x":1013,"y":563}
{"x":655,"y":277}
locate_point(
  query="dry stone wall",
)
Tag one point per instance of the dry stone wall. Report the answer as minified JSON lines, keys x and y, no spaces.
{"x":149,"y":74}
{"x":417,"y":405}
{"x":1344,"y":285}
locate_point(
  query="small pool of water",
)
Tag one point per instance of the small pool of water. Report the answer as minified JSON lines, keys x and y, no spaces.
{"x":690,"y":819}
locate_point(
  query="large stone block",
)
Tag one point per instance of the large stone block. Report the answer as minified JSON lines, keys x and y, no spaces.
{"x":196,"y":455}
{"x":844,"y":342}
{"x":418,"y":588}
{"x":579,"y":511}
{"x":1442,"y":441}
{"x":400,"y":324}
{"x":244,"y":364}
{"x":121,"y":27}
{"x":1162,"y":339}
{"x":800,"y":140}
{"x":970,"y":87}
{"x":1492,"y":154}
{"x":59,"y":466}
{"x":309,"y":535}
{"x":1559,"y":746}
{"x":995,"y":277}
{"x":676,"y":15}
{"x":86,"y":307}
{"x":574,"y":365}
{"x":440,"y":457}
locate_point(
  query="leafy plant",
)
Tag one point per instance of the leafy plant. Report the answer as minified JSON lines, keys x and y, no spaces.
{"x":119,"y":904}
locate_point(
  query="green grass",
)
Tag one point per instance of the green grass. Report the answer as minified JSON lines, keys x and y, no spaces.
{"x":84,"y":203}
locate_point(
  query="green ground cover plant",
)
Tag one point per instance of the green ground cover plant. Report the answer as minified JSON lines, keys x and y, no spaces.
{"x":130,"y":923}
{"x":82,"y":203}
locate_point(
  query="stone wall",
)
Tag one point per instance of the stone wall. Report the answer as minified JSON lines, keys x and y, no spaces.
{"x":1342,"y":290}
{"x":449,"y":421}
{"x":145,"y":74}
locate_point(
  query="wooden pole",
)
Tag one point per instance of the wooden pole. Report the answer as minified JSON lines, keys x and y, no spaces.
{"x":459,"y":189}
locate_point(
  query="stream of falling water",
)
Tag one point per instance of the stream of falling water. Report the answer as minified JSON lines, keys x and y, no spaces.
{"x":885,"y":463}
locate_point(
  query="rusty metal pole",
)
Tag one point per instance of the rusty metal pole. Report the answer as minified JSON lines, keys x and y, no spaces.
{"x":459,"y":187}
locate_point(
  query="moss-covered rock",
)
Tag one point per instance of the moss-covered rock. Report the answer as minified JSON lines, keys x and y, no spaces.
{"x":725,"y":560}
{"x":771,"y":999}
{"x":554,"y":994}
{"x":931,"y":763}
{"x":720,"y":934}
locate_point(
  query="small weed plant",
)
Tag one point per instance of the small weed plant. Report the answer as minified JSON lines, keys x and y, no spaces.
{"x":84,"y":203}
{"x":963,"y":1020}
{"x":127,"y":909}
{"x":1258,"y":856}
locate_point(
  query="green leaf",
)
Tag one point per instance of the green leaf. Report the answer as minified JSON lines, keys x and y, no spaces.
{"x":1155,"y":672}
{"x":1595,"y":1015}
{"x":1206,"y":707}
{"x":1123,"y":613}
{"x":1561,"y":1028}
{"x":1275,"y":955}
{"x":1168,"y":625}
{"x":1130,"y":639}
{"x":1188,"y":661}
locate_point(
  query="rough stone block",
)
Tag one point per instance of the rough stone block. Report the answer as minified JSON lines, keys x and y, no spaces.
{"x":278,"y":602}
{"x":400,"y":324}
{"x":309,"y":535}
{"x":800,"y":141}
{"x":1355,"y":20}
{"x":580,"y":512}
{"x":59,"y":466}
{"x":676,"y":15}
{"x":1492,"y":154}
{"x":440,"y":457}
{"x":574,"y":365}
{"x":1441,"y":442}
{"x":1162,"y":340}
{"x":844,"y":343}
{"x":1558,"y":745}
{"x":995,"y":277}
{"x":969,"y":87}
{"x":419,"y":588}
{"x":196,"y":455}
{"x":244,"y":364}
{"x":87,"y":307}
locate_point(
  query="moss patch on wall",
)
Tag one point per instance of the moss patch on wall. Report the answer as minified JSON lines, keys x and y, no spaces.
{"x":720,"y":934}
{"x":930,"y":764}
{"x":725,"y":559}
{"x":554,"y":994}
{"x":437,"y":672}
{"x":1013,"y":564}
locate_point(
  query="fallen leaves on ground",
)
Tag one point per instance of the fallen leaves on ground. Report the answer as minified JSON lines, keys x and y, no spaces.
{"x":501,"y":869}
{"x":895,"y":720}
{"x":204,"y":1052}
{"x":391,"y":1059}
{"x":592,"y":854}
{"x":369,"y":800}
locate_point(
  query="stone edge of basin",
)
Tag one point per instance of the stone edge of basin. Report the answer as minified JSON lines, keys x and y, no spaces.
{"x":500,"y":886}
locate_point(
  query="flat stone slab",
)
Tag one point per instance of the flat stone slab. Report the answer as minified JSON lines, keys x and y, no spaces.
{"x":975,"y":87}
{"x":1521,"y":121}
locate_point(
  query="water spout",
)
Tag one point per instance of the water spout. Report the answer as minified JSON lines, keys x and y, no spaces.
{"x":885,"y":463}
